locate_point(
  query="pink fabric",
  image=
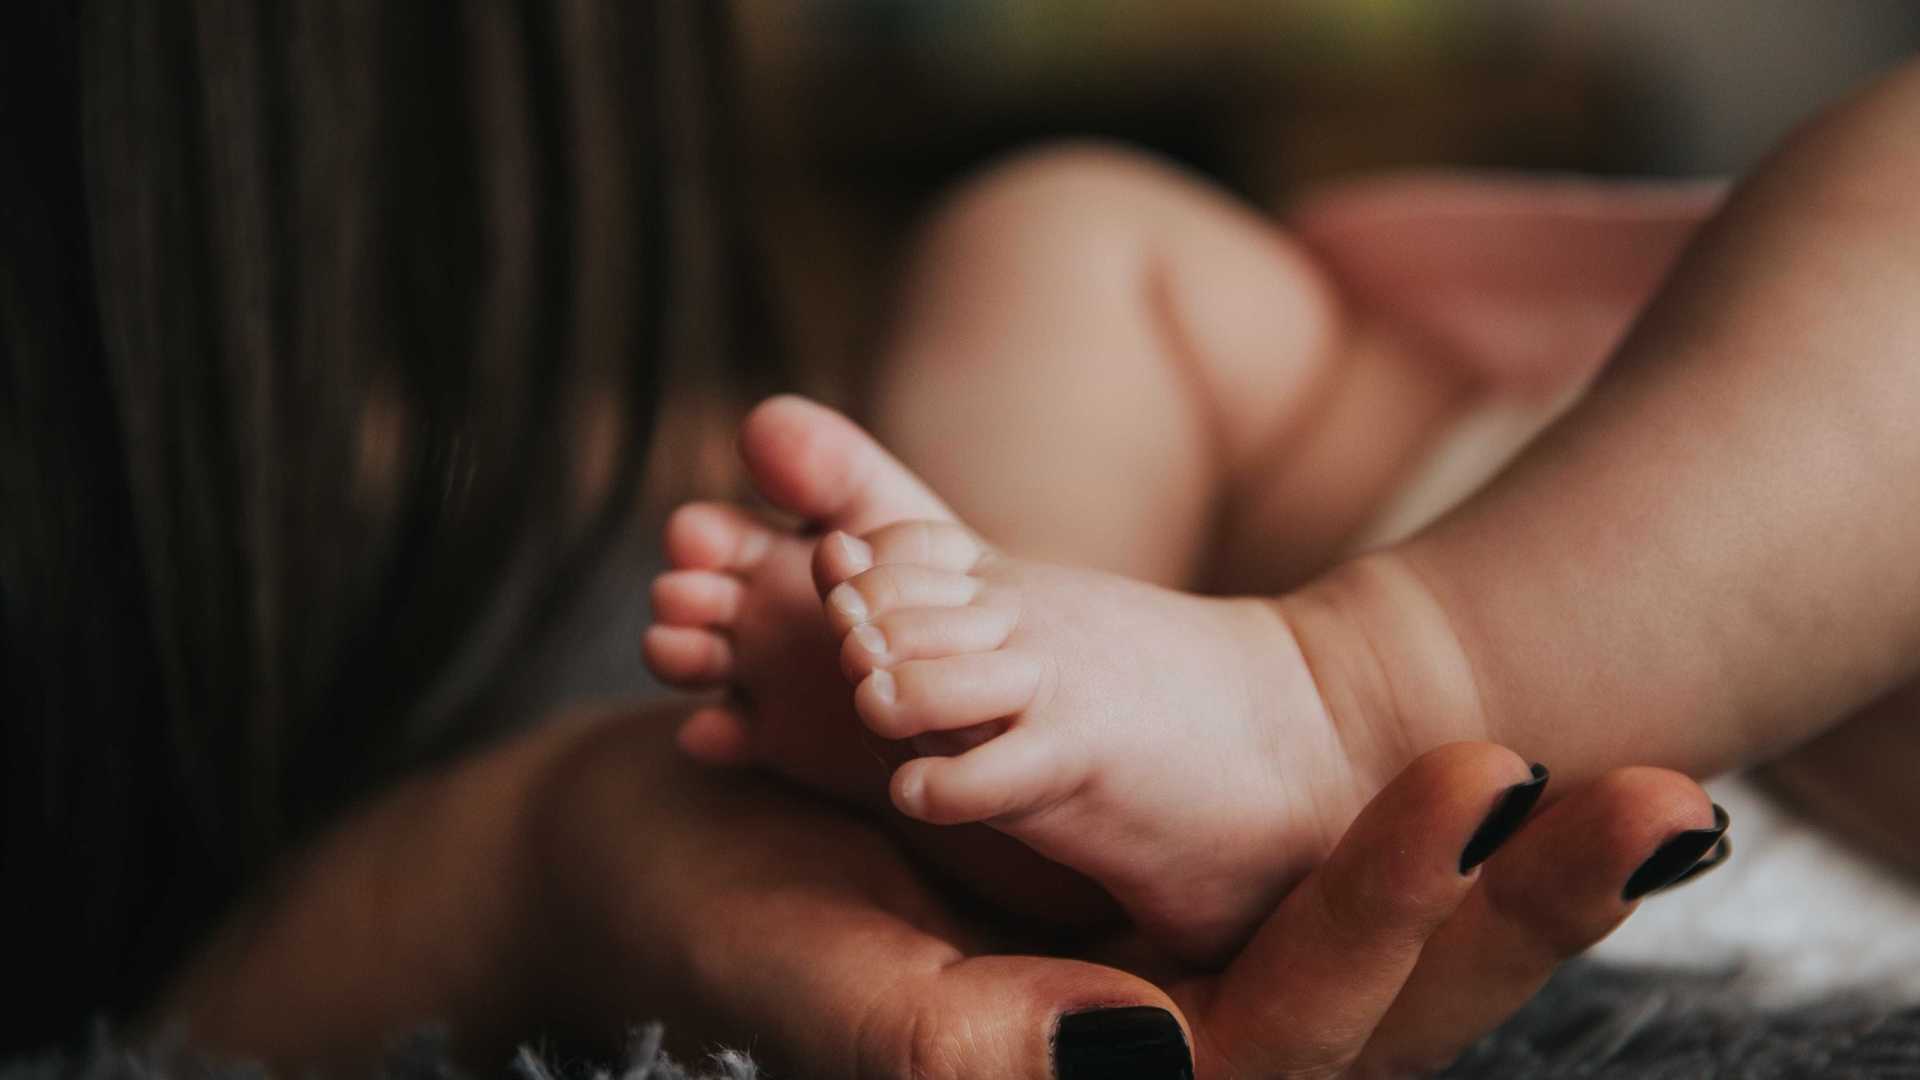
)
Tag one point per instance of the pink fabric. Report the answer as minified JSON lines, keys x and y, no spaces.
{"x":1527,"y":281}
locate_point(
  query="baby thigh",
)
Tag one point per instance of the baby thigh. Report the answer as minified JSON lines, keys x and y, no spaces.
{"x":1478,"y":307}
{"x":1092,"y":345}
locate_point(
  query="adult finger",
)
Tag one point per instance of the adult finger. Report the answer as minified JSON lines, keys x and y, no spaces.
{"x":1307,"y":992}
{"x":745,"y":915}
{"x":825,"y":986}
{"x":1563,"y":883}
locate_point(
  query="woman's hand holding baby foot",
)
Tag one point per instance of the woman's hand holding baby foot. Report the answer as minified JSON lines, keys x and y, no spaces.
{"x":1172,"y":747}
{"x":741,"y":611}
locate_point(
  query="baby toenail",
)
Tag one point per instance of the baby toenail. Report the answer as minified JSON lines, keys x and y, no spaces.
{"x":848,"y":602}
{"x":882,"y":686}
{"x":857,"y":552}
{"x":913,"y":793}
{"x":871,"y":639}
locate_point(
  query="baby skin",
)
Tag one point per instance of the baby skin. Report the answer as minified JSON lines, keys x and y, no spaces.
{"x":1041,"y":699}
{"x":1652,"y":582}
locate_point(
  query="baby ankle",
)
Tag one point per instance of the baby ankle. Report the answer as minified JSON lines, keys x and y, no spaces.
{"x":1393,"y":675}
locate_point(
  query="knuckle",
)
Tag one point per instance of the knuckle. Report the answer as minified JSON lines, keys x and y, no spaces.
{"x":934,"y":1049}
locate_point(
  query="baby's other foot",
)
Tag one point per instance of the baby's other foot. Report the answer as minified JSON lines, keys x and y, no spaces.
{"x":740,"y":610}
{"x":1172,"y":747}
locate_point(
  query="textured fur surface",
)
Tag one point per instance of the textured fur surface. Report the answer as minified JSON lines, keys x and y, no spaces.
{"x":1593,"y":1021}
{"x":1600,"y":1021}
{"x":423,"y":1057}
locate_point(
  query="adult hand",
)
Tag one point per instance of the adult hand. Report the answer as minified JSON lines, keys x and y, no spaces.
{"x":744,"y":913}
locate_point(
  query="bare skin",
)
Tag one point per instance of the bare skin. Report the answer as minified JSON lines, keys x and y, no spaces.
{"x":1087,"y":314}
{"x":738,"y":608}
{"x":970,"y":637}
{"x":1717,"y":545}
{"x":1654,"y":580}
{"x":524,"y":888}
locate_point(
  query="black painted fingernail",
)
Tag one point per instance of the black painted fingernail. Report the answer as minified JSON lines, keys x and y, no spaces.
{"x":1138,"y":1042}
{"x":1721,"y":852}
{"x":1509,"y":810}
{"x":1676,"y":857}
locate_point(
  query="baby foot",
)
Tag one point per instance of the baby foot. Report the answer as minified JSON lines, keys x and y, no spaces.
{"x":1172,"y":747}
{"x":739,"y":609}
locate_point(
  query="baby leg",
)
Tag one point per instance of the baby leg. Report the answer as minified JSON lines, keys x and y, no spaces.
{"x":1090,"y":345}
{"x":1516,"y":288}
{"x":1711,"y":558}
{"x":1100,"y":360}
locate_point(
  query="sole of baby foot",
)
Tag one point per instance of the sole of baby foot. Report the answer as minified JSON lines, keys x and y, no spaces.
{"x":1172,"y":747}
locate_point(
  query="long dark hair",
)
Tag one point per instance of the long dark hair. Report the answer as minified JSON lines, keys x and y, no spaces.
{"x":332,"y":341}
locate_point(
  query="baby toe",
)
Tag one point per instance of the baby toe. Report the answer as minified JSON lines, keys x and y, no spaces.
{"x":811,"y":461}
{"x":925,"y":634}
{"x":715,"y":536}
{"x":716,"y":735}
{"x":865,"y":597}
{"x":696,"y":598}
{"x":1020,"y":772}
{"x":944,"y":545}
{"x":940,"y":545}
{"x":941,"y":695}
{"x":687,"y":656}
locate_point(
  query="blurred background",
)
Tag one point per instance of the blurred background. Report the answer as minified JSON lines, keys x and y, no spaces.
{"x":854,"y":115}
{"x":857,"y":112}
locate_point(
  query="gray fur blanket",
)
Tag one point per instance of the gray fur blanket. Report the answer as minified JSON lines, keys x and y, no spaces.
{"x":1594,"y":1021}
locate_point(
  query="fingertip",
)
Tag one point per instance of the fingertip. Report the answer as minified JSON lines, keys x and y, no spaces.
{"x":1510,"y":811}
{"x":1434,"y":814}
{"x":1679,"y":856}
{"x":1562,"y":883}
{"x":1548,"y":895}
{"x":1124,"y":1041}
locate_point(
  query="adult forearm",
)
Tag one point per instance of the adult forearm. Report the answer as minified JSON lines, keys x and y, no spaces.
{"x":405,"y":914}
